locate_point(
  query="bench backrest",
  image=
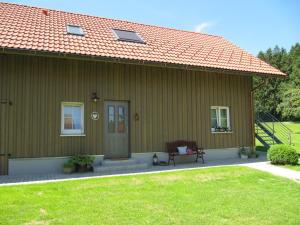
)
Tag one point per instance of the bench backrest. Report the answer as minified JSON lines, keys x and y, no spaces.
{"x":172,"y":146}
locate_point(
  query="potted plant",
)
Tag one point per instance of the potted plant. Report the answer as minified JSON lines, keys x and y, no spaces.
{"x":243,"y":153}
{"x":83,"y":162}
{"x":217,"y":129}
{"x":253,"y":155}
{"x":69,"y":167}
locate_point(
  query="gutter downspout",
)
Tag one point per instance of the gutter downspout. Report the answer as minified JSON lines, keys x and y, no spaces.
{"x":252,"y":120}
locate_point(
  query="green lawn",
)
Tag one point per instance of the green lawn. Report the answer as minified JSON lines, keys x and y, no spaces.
{"x":295,"y":167}
{"x":295,"y":127}
{"x":223,"y":195}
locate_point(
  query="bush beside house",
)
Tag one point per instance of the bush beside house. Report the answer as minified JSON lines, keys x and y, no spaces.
{"x":79,"y":163}
{"x":282,"y":155}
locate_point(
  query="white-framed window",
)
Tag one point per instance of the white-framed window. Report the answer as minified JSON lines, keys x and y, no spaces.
{"x":220,"y":119}
{"x":72,"y":118}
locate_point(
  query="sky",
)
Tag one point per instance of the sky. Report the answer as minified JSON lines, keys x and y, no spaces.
{"x":253,"y":25}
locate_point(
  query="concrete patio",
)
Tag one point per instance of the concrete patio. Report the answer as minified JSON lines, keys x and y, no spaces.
{"x":29,"y":179}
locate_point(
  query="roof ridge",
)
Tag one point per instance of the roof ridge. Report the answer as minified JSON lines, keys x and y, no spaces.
{"x":122,"y":20}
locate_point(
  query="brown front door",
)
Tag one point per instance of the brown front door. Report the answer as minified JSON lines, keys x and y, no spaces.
{"x":116,"y":130}
{"x":3,"y":153}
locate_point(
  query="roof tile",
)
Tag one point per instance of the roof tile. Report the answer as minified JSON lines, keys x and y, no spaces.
{"x":24,"y":27}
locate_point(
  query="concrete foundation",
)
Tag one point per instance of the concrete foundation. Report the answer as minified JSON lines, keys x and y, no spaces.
{"x":54,"y":165}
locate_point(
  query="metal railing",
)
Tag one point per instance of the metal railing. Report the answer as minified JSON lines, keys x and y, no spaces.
{"x":276,"y":128}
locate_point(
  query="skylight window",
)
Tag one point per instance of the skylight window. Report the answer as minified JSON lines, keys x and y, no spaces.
{"x":127,"y":35}
{"x":76,"y":30}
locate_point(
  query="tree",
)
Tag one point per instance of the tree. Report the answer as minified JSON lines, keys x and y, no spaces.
{"x":268,"y":97}
{"x":295,"y":65}
{"x":289,"y":108}
{"x":290,"y":105}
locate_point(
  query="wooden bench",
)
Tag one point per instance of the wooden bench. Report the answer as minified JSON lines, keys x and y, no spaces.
{"x":192,"y":145}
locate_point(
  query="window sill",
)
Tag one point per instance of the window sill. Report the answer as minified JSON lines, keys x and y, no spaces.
{"x":72,"y":135}
{"x":221,"y":132}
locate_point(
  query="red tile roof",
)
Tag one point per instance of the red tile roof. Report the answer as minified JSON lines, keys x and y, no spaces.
{"x":32,"y":28}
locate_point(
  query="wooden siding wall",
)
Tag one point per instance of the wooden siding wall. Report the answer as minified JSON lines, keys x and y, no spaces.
{"x":172,"y":104}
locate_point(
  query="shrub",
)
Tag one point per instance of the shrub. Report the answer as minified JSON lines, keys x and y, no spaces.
{"x":82,"y":160}
{"x":283,"y":154}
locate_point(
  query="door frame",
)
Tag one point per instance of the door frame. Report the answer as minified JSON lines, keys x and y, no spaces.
{"x":129,"y":123}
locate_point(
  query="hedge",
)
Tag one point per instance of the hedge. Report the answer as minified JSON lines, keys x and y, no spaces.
{"x":282,"y":155}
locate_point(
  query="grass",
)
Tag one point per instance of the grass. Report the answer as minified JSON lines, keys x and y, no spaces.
{"x":293,"y":167}
{"x":223,"y":195}
{"x":295,"y":127}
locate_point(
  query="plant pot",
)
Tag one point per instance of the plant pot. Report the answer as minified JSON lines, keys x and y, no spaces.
{"x":82,"y":168}
{"x":244,"y":156}
{"x":68,"y":170}
{"x":253,"y":155}
{"x":90,"y":168}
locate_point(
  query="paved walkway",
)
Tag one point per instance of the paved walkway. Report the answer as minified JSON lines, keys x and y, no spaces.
{"x":31,"y":179}
{"x":276,"y":170}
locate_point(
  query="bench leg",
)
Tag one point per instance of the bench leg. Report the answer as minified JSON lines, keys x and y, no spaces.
{"x":171,"y":158}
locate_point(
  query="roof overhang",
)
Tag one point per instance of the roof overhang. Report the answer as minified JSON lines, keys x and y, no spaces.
{"x":30,"y":52}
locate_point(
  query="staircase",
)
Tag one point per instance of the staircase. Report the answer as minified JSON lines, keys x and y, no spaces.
{"x":269,"y":130}
{"x":110,"y":166}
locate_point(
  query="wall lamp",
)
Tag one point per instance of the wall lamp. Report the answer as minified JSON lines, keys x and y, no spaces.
{"x":94,"y":97}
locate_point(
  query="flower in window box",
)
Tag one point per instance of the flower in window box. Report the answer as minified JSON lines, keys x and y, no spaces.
{"x":217,"y":129}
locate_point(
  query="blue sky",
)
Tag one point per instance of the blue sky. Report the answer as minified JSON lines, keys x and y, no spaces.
{"x":253,"y":25}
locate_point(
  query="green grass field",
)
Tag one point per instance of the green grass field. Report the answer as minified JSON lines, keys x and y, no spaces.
{"x":223,"y":195}
{"x":295,"y":127}
{"x":293,"y":167}
{"x":296,"y":167}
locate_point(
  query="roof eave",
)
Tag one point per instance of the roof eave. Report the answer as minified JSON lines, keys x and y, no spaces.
{"x":31,"y":52}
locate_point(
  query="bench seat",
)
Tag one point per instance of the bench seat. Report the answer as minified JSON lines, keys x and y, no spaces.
{"x":173,"y":150}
